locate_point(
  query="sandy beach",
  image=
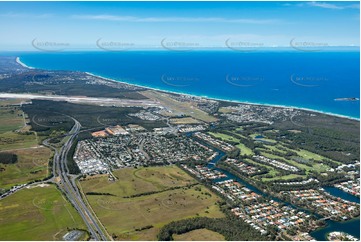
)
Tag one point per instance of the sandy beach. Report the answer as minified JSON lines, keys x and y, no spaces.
{"x":211,"y":98}
{"x":22,"y":64}
{"x":225,"y":100}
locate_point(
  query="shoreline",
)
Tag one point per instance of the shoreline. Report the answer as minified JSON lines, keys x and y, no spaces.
{"x":227,"y":100}
{"x":22,"y":64}
{"x":211,"y":98}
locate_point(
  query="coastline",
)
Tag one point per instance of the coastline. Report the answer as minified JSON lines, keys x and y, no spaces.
{"x":22,"y":64}
{"x":227,"y":100}
{"x":211,"y":98}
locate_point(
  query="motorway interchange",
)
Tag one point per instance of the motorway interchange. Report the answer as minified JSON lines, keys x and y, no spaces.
{"x":67,"y":184}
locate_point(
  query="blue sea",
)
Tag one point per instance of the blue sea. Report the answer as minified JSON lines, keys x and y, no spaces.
{"x":311,"y":80}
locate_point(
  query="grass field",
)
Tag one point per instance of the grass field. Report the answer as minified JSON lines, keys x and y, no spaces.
{"x":315,"y":166}
{"x":244,"y":149}
{"x":224,"y":137}
{"x":11,"y":116}
{"x":283,"y":178}
{"x":253,"y":136}
{"x":39,"y":213}
{"x":11,"y":119}
{"x":276,"y":148}
{"x":124,"y":216}
{"x":199,"y":235}
{"x":226,"y":110}
{"x":182,"y":107}
{"x":32,"y":164}
{"x":271,"y":170}
{"x":11,"y":140}
{"x":305,"y":154}
{"x":186,"y":120}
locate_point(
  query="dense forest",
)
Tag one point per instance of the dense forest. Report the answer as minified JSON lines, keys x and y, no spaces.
{"x":231,"y":228}
{"x":8,"y":158}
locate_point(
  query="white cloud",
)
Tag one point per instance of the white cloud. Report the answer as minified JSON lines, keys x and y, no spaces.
{"x":25,"y":15}
{"x":332,"y":5}
{"x":174,"y":19}
{"x":326,"y":5}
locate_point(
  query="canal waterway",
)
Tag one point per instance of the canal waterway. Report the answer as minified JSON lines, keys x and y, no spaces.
{"x":351,"y":227}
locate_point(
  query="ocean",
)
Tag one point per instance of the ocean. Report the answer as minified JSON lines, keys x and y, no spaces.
{"x":311,"y":80}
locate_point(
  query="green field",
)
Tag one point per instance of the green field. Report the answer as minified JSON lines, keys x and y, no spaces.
{"x":271,"y":170}
{"x":11,"y":140}
{"x":124,"y":216}
{"x":39,"y":213}
{"x":253,"y":136}
{"x":315,"y":166}
{"x":244,"y":149}
{"x":275,"y":148}
{"x":11,"y":117}
{"x":181,"y":107}
{"x":186,"y":120}
{"x":199,"y":235}
{"x":305,"y":154}
{"x":283,"y":178}
{"x":32,"y":164}
{"x":237,"y":134}
{"x":224,"y":137}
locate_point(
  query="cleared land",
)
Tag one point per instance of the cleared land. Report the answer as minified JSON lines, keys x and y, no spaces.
{"x":186,"y":120}
{"x":32,"y":164}
{"x":11,"y":118}
{"x":181,"y":107}
{"x":11,"y":140}
{"x":199,"y":235}
{"x":226,"y":110}
{"x":39,"y":213}
{"x":145,"y":199}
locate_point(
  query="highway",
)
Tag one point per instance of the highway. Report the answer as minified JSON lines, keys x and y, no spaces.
{"x":68,"y":186}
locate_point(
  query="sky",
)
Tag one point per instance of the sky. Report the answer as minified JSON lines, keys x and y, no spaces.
{"x":125,"y":25}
